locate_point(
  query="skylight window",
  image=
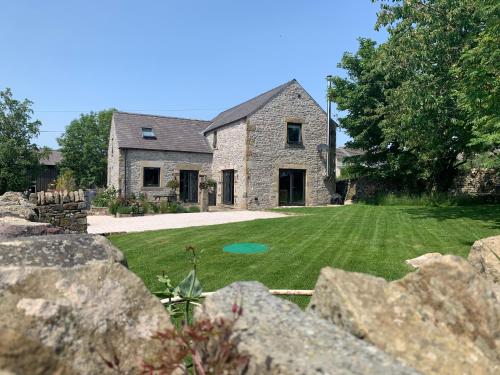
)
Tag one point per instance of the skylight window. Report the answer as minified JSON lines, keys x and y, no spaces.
{"x":148,"y":133}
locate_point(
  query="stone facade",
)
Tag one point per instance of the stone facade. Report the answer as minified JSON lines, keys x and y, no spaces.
{"x":115,"y":159}
{"x":66,"y":210}
{"x":268,"y":151}
{"x":170,"y":164}
{"x":231,"y":153}
{"x":255,"y":147}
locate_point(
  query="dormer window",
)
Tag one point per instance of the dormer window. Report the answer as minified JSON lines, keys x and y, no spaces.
{"x":148,"y":133}
{"x":294,"y":133}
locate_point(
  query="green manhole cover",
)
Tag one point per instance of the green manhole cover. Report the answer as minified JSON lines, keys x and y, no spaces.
{"x":246,"y":248}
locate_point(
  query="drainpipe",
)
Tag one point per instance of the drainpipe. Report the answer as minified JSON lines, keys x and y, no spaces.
{"x":125,"y":173}
{"x":330,"y":133}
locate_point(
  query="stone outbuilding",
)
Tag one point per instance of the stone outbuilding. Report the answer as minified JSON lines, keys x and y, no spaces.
{"x":266,"y":152}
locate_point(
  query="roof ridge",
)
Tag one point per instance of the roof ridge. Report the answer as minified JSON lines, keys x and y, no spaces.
{"x":160,"y":116}
{"x":254,"y":97}
{"x":279,"y":89}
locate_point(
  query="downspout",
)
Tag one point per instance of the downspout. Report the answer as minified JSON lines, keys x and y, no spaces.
{"x":125,"y":173}
{"x":330,"y":134}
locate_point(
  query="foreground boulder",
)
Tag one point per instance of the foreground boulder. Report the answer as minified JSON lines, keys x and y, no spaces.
{"x":71,"y":298}
{"x":442,"y":319}
{"x":485,"y":258}
{"x":422,"y":259}
{"x":15,"y":205}
{"x":280,"y":338}
{"x":12,"y":227}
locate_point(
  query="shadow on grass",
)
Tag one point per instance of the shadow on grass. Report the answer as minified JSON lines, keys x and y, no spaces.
{"x":489,"y":214}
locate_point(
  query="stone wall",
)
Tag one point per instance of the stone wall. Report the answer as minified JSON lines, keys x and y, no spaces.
{"x":478,"y":182}
{"x":115,"y":159}
{"x":63,"y":209}
{"x":268,"y":150}
{"x":230,"y":153}
{"x":169,"y":162}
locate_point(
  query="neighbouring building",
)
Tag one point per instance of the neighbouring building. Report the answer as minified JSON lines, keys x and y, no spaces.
{"x":341,"y":155}
{"x":268,"y":151}
{"x":49,"y":171}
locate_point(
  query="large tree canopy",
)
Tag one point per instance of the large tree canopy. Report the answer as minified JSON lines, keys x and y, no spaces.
{"x":18,"y":155}
{"x":404,"y":104}
{"x":84,"y":147}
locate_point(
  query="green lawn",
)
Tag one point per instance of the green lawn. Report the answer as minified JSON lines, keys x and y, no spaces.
{"x":362,"y":238}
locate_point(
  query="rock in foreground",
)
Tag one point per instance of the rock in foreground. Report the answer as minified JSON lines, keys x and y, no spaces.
{"x":422,"y":259}
{"x":442,"y":319}
{"x":12,"y":227}
{"x":485,"y":257}
{"x":15,"y":205}
{"x":69,"y":295}
{"x":280,"y":338}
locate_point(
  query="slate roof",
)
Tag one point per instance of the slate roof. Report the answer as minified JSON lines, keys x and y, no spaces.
{"x":344,"y":152}
{"x":172,"y":133}
{"x":247,"y":108}
{"x":53,"y":158}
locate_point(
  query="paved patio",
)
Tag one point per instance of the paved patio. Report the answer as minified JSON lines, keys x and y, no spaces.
{"x":110,"y":224}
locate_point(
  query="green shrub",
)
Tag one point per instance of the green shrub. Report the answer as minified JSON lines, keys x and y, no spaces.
{"x":105,"y":198}
{"x":66,"y":181}
{"x":175,"y":207}
{"x":425,"y":199}
{"x":193,"y":209}
{"x":155,"y":207}
{"x":124,"y":210}
{"x":164,"y":207}
{"x":146,"y":206}
{"x":173,"y":184}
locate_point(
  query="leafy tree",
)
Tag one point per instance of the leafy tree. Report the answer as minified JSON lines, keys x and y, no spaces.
{"x":84,"y":147}
{"x":362,"y":94}
{"x":426,"y":39}
{"x":478,"y":78}
{"x":405,"y":105}
{"x":19,"y":157}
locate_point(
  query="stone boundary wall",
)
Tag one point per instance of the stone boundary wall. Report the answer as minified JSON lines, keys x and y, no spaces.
{"x":62,"y":208}
{"x":478,"y":182}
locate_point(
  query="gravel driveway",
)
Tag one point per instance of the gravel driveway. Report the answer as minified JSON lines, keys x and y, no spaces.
{"x":110,"y":224}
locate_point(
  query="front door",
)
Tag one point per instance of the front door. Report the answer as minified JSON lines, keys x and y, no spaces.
{"x":189,"y":186}
{"x":228,"y":186}
{"x":292,"y":187}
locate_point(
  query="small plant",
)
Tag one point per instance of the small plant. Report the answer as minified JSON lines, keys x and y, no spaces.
{"x":208,"y":184}
{"x":164,"y":207}
{"x":193,"y":209}
{"x":66,"y":181}
{"x":175,"y":207}
{"x":173,"y":184}
{"x":124,"y":210}
{"x":203,"y":347}
{"x":105,"y":198}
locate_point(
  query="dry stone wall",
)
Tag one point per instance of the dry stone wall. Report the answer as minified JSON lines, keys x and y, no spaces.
{"x":63,"y":209}
{"x":478,"y":182}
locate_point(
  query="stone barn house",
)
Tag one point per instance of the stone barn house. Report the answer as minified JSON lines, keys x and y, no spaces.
{"x":266,"y":152}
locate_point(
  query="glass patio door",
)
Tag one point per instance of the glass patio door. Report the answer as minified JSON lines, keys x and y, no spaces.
{"x":292,"y":187}
{"x":228,"y":186}
{"x":189,"y":186}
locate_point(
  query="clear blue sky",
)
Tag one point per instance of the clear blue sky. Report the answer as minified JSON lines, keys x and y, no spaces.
{"x":179,"y":58}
